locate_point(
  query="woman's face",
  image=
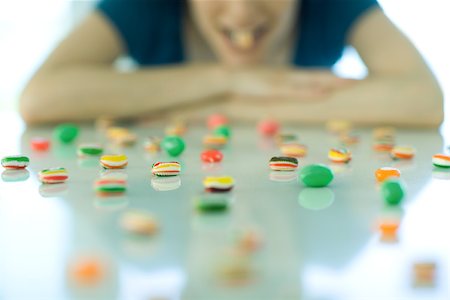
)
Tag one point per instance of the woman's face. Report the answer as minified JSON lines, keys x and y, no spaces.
{"x":244,"y":32}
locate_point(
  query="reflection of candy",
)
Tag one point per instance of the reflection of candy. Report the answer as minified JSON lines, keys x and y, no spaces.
{"x":268,"y":127}
{"x":441,"y":160}
{"x":110,"y":187}
{"x":52,"y":190}
{"x":294,"y":149}
{"x":86,"y":150}
{"x":87,"y":271}
{"x":316,"y":198}
{"x":282,"y":176}
{"x":15,"y":162}
{"x":215,"y":141}
{"x":282,"y":163}
{"x":139,"y":222}
{"x":114,"y":174}
{"x":211,"y":156}
{"x":424,"y":273}
{"x":119,"y":161}
{"x":211,"y":202}
{"x":441,"y":173}
{"x":40,"y":144}
{"x":402,"y":152}
{"x":339,"y":155}
{"x":216,"y":120}
{"x":164,"y":184}
{"x":152,"y":144}
{"x":172,"y":168}
{"x":114,"y":203}
{"x":382,"y":174}
{"x":316,"y":175}
{"x":54,"y":175}
{"x":15,"y":175}
{"x":218,"y":184}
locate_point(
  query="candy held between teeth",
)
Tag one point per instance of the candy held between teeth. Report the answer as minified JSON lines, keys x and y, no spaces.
{"x":294,"y":149}
{"x":211,"y":156}
{"x":283,"y":163}
{"x":268,"y":127}
{"x":66,"y":133}
{"x":441,"y":160}
{"x":89,"y":150}
{"x":172,"y":168}
{"x":15,"y":162}
{"x":339,"y":155}
{"x":173,"y":145}
{"x":316,"y":175}
{"x":53,"y":175}
{"x":218,"y":184}
{"x":403,"y":152}
{"x":385,"y":173}
{"x":118,"y":161}
{"x":40,"y":144}
{"x":138,"y":222}
{"x":392,"y":191}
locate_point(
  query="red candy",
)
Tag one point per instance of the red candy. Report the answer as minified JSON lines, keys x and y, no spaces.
{"x":268,"y":127}
{"x":211,"y":156}
{"x":40,"y":144}
{"x":216,"y":120}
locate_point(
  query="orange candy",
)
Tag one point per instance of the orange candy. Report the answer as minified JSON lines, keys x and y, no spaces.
{"x":388,"y":230}
{"x":384,"y":173}
{"x":87,"y":271}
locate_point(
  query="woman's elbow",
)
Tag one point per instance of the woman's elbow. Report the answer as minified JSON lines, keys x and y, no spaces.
{"x":35,"y":104}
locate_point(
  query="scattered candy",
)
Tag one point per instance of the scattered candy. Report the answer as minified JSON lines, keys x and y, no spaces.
{"x":283,"y":163}
{"x":15,"y":162}
{"x":166,"y":183}
{"x":211,"y":156}
{"x":40,"y":144}
{"x":53,"y":175}
{"x":441,"y":160}
{"x":110,"y":187}
{"x":222,"y":130}
{"x":339,"y":155}
{"x":294,"y":150}
{"x":402,"y":152}
{"x":87,"y":271}
{"x":152,"y":144}
{"x":392,"y":191}
{"x":316,"y":175}
{"x":268,"y":127}
{"x":66,"y":133}
{"x":88,"y":150}
{"x":117,"y":161}
{"x":388,"y":230}
{"x":216,"y":120}
{"x":215,"y":141}
{"x":218,"y":184}
{"x":173,"y":145}
{"x":138,"y":222}
{"x":178,"y":128}
{"x":211,"y":202}
{"x":172,"y":168}
{"x":383,"y":132}
{"x":121,"y":136}
{"x":424,"y":273}
{"x":384,"y":145}
{"x":285,"y":138}
{"x":349,"y":138}
{"x":338,"y":126}
{"x":385,"y":173}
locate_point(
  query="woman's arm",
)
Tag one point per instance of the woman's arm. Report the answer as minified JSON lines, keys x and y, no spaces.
{"x":78,"y":81}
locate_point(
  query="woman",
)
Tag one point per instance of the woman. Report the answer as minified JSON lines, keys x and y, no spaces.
{"x":247,"y":58}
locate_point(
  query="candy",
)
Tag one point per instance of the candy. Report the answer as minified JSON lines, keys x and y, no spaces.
{"x":178,"y":128}
{"x":53,"y":175}
{"x":211,"y":202}
{"x":215,"y":141}
{"x":138,"y":222}
{"x":441,"y":160}
{"x":40,"y":144}
{"x":388,"y":230}
{"x":316,"y":175}
{"x":338,"y":126}
{"x":152,"y":144}
{"x":384,"y":145}
{"x":424,"y":273}
{"x":211,"y":156}
{"x":249,"y":240}
{"x":121,"y":136}
{"x":172,"y":168}
{"x":166,"y":183}
{"x":284,"y":138}
{"x":339,"y":155}
{"x":118,"y":161}
{"x":268,"y":127}
{"x":294,"y":149}
{"x":66,"y":133}
{"x":402,"y":152}
{"x":392,"y":191}
{"x":384,"y":173}
{"x":216,"y":120}
{"x":110,"y":187}
{"x":173,"y":145}
{"x":222,"y":130}
{"x":87,"y":150}
{"x":349,"y":138}
{"x":218,"y":184}
{"x":87,"y":271}
{"x":15,"y":162}
{"x":282,"y":163}
{"x":383,"y":132}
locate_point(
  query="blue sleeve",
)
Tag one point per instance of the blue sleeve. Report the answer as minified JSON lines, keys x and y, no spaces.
{"x":324,"y":29}
{"x":149,"y":29}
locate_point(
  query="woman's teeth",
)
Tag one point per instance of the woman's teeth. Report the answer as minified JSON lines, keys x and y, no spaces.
{"x":243,"y":39}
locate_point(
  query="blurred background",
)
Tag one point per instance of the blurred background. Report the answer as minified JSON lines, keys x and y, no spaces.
{"x":30,"y":29}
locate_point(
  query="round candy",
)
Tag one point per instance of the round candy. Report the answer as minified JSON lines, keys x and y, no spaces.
{"x":119,"y":161}
{"x":441,"y":160}
{"x":222,"y":130}
{"x":282,"y":163}
{"x":339,"y":155}
{"x":216,"y":120}
{"x":382,"y":174}
{"x":40,"y":144}
{"x":268,"y":127}
{"x":173,"y":145}
{"x":66,"y":133}
{"x":138,"y":222}
{"x":86,"y":150}
{"x":402,"y":152}
{"x":316,"y":175}
{"x":54,"y":175}
{"x":172,"y":168}
{"x":393,"y":191}
{"x":15,"y":162}
{"x":211,"y":156}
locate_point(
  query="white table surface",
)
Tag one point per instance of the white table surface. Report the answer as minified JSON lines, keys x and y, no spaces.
{"x":314,"y":249}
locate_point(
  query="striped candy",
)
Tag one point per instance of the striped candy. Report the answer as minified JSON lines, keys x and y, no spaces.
{"x":110,"y":186}
{"x":218,"y":184}
{"x":54,"y":175}
{"x":172,"y":168}
{"x":86,"y":150}
{"x":119,"y":161}
{"x":215,"y":141}
{"x":294,"y":149}
{"x":339,"y":155}
{"x":15,"y":162}
{"x":403,"y":152}
{"x":441,"y":160}
{"x":283,"y":163}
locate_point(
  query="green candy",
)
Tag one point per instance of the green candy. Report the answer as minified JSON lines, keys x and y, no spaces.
{"x":316,"y":175}
{"x":211,"y":203}
{"x":223,"y":130}
{"x":66,"y":133}
{"x":173,"y":145}
{"x":393,"y":192}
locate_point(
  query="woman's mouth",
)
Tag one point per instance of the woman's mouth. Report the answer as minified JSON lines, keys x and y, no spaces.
{"x":244,"y":40}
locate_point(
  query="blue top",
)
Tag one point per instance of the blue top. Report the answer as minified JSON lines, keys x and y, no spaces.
{"x":152,"y":29}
